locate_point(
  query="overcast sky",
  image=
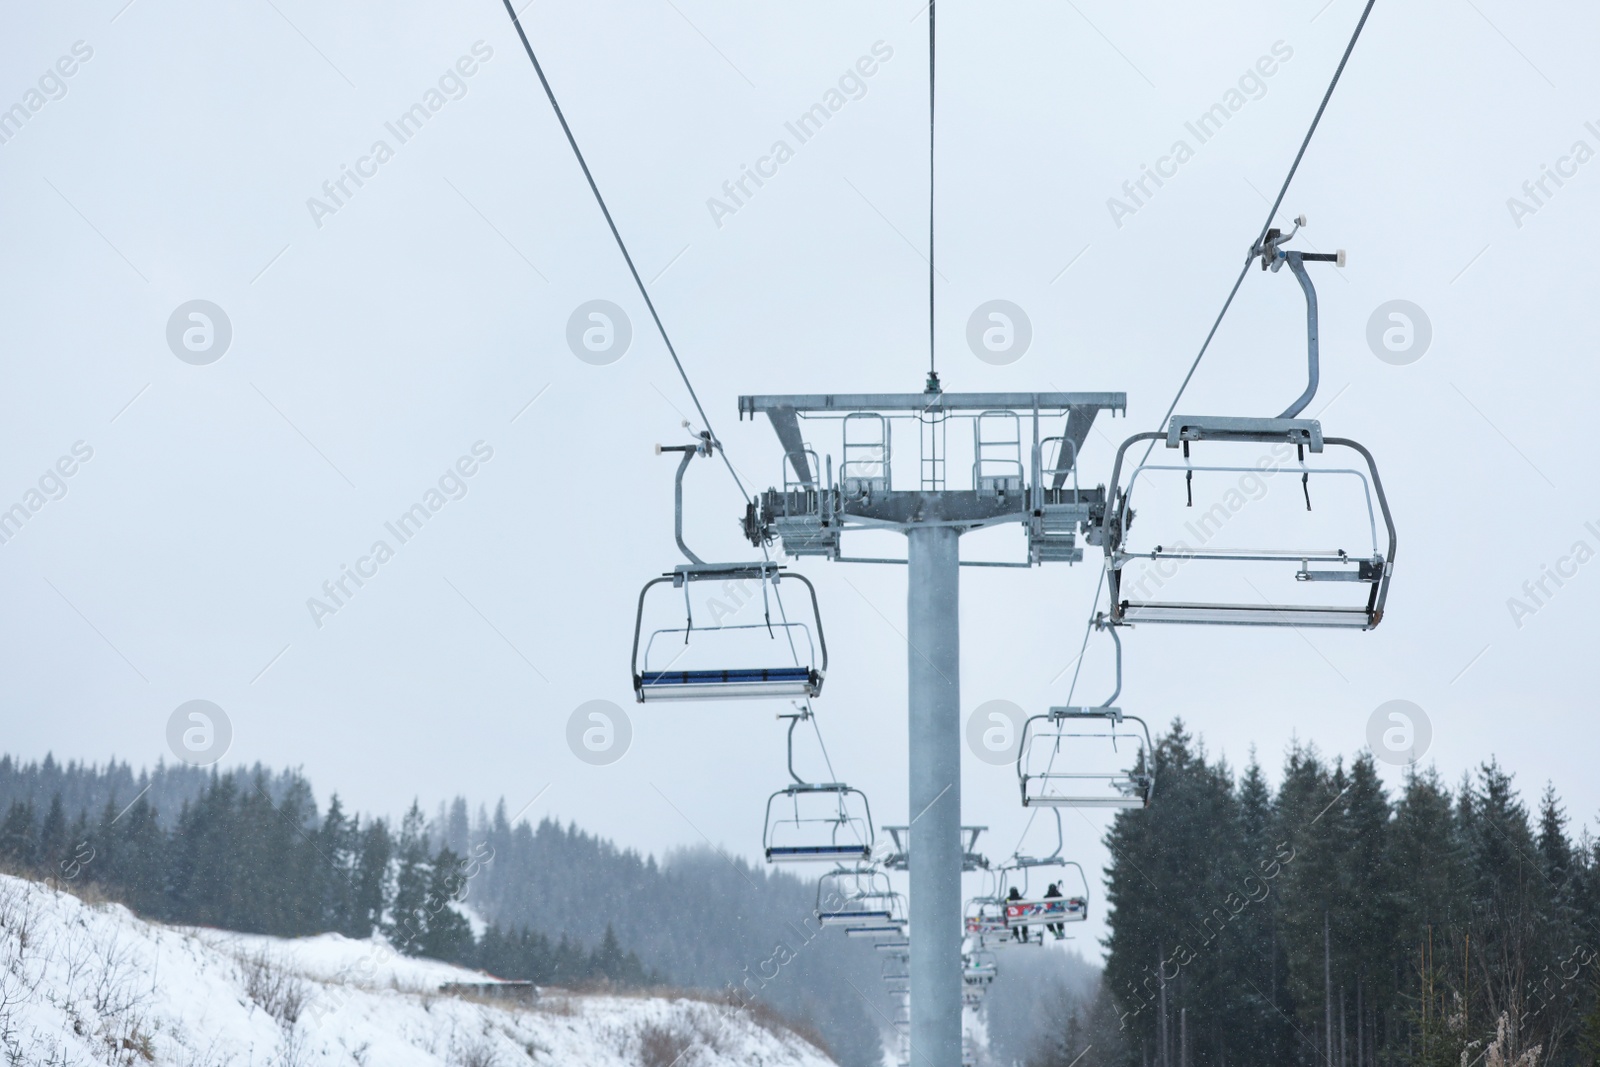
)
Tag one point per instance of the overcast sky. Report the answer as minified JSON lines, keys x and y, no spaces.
{"x":378,"y":338}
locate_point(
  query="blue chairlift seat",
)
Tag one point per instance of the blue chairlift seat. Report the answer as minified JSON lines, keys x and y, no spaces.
{"x":830,"y":853}
{"x":750,"y":682}
{"x":890,"y":929}
{"x":850,"y":918}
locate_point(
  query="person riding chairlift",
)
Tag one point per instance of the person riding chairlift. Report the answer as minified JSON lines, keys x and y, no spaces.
{"x":1018,"y":933}
{"x":1059,"y":929}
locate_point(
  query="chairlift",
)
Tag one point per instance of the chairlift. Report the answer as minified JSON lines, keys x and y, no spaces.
{"x":978,"y":968}
{"x":984,"y":917}
{"x":855,"y":896}
{"x":1027,"y":909}
{"x":1126,"y":780}
{"x":1050,"y":912}
{"x":837,"y":831}
{"x":1091,"y":757}
{"x":820,"y":822}
{"x":1368,"y":566}
{"x":892,"y":928}
{"x":729,"y":660}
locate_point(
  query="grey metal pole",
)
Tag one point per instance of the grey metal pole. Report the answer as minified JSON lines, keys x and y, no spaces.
{"x":933,"y":631}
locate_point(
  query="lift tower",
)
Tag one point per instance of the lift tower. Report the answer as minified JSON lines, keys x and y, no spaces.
{"x":1032,"y":482}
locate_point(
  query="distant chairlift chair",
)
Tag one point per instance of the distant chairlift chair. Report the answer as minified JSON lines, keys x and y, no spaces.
{"x":1107,"y":764}
{"x":859,"y":897}
{"x":1052,"y":912}
{"x":819,"y":822}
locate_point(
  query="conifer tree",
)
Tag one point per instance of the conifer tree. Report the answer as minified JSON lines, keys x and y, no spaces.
{"x":371,"y":890}
{"x":52,"y":843}
{"x":408,"y":912}
{"x":446,"y":933}
{"x":17,"y":836}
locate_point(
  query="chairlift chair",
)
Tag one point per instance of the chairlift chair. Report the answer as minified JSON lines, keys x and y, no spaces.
{"x":823,"y":822}
{"x":984,"y":917}
{"x":839,"y":831}
{"x":1128,"y":783}
{"x":662,"y":676}
{"x":1046,"y":911}
{"x":979,"y":968}
{"x":1029,"y":909}
{"x":861,"y":896}
{"x":670,"y":663}
{"x":892,"y":926}
{"x":1369,"y":566}
{"x":1076,"y":773}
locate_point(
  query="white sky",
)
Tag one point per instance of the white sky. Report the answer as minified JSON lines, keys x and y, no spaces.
{"x":369,"y":353}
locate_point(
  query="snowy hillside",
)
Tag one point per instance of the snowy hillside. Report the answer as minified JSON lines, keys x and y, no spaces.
{"x":93,"y":984}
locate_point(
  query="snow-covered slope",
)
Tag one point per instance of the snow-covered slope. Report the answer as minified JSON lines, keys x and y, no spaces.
{"x":93,"y":984}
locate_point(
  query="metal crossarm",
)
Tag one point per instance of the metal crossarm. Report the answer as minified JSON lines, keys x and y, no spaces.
{"x":1019,"y":473}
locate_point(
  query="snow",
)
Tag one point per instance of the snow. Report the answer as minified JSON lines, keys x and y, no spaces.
{"x":93,"y":984}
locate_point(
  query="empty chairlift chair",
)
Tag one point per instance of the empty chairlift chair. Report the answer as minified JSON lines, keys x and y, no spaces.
{"x":891,"y":928}
{"x":824,"y":822}
{"x":724,"y":651}
{"x":850,"y":897}
{"x":1336,"y":575}
{"x":1078,"y":757}
{"x":726,"y":664}
{"x":1086,"y":758}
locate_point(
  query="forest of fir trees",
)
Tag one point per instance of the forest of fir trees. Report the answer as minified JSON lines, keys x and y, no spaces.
{"x":252,"y":853}
{"x":1330,"y":922}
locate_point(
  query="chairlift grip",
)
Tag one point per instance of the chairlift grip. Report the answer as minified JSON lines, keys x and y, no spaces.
{"x":1313,"y":360}
{"x":1112,"y":699}
{"x":689,"y":452}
